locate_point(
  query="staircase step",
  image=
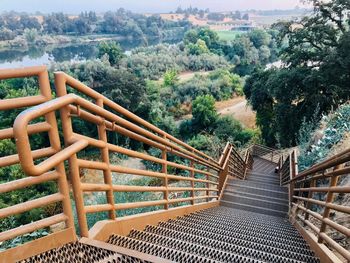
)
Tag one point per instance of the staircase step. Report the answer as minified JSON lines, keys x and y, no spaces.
{"x":258,"y":185}
{"x":253,"y":201}
{"x":255,"y":209}
{"x":263,"y":180}
{"x":254,"y":190}
{"x":265,"y":232}
{"x":236,"y":246}
{"x":239,"y":192}
{"x":232,"y":238}
{"x":243,"y":235}
{"x":271,"y":224}
{"x":260,"y":228}
{"x":253,"y":218}
{"x":175,"y":251}
{"x":210,"y":249}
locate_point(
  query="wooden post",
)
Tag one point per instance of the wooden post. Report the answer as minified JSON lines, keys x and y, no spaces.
{"x":329,"y":199}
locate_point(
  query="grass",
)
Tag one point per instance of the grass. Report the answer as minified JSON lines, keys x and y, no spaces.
{"x":228,"y":35}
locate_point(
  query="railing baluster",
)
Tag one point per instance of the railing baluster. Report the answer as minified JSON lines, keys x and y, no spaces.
{"x":329,"y":199}
{"x":192,"y":182}
{"x":107,"y":174}
{"x":165,"y":172}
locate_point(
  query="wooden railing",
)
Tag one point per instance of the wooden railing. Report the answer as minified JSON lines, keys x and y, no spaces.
{"x":316,"y":204}
{"x":181,"y":169}
{"x":265,"y":152}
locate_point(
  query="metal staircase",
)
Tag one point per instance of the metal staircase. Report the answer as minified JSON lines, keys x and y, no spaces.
{"x":260,"y":192}
{"x":236,"y":209}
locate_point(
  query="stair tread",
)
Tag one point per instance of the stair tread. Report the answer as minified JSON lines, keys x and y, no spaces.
{"x":223,"y":244}
{"x":232,"y":204}
{"x":256,"y":199}
{"x":257,"y":184}
{"x":254,"y":187}
{"x":237,"y":191}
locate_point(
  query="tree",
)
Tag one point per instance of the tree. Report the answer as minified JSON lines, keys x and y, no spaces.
{"x":199,"y":48}
{"x":31,"y":35}
{"x":113,"y":50}
{"x":259,"y":38}
{"x":170,"y":78}
{"x":204,"y":112}
{"x":245,"y":17}
{"x":315,"y":48}
{"x":82,"y":26}
{"x":29,"y":22}
{"x":6,"y":34}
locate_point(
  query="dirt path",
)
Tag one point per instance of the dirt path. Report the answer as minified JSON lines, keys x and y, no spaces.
{"x":237,"y":107}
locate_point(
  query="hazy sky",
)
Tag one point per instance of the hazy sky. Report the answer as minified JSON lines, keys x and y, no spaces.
{"x":76,"y":6}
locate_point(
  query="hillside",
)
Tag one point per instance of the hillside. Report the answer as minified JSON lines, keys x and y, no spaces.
{"x":329,"y":137}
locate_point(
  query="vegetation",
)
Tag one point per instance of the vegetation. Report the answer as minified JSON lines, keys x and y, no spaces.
{"x":22,"y":29}
{"x":314,"y":50}
{"x":132,"y":82}
{"x":317,"y":139}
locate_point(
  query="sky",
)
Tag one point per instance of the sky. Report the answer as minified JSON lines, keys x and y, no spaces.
{"x":141,"y":6}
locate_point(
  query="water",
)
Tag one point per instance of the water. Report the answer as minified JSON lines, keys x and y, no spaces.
{"x":33,"y":56}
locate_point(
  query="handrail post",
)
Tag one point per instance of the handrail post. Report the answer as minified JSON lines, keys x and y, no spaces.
{"x":280,"y":165}
{"x":107,"y":174}
{"x":329,"y":199}
{"x":165,"y":172}
{"x":272,"y":156}
{"x":308,"y":203}
{"x":192,"y":182}
{"x":292,"y":174}
{"x":246,"y":160}
{"x":74,"y":170}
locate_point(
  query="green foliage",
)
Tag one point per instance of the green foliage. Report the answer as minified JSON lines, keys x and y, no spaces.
{"x":315,"y":52}
{"x":170,"y":78}
{"x":229,"y":129}
{"x":200,"y":47}
{"x":113,"y":50}
{"x":202,"y":40}
{"x":320,"y":143}
{"x":23,"y":239}
{"x":152,"y":62}
{"x":204,"y":112}
{"x":31,"y":35}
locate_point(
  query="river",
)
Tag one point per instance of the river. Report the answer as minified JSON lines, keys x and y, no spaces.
{"x":32,"y":56}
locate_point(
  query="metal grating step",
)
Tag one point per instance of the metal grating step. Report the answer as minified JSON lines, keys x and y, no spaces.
{"x":236,"y":246}
{"x":231,"y":238}
{"x":233,"y":234}
{"x":234,"y":224}
{"x":253,"y":218}
{"x":253,"y":201}
{"x":259,"y":191}
{"x":243,"y":230}
{"x":255,"y":209}
{"x":277,"y":188}
{"x":257,"y":196}
{"x":80,"y":253}
{"x":210,"y":250}
{"x":170,"y":253}
{"x":271,"y":226}
{"x":263,"y":180}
